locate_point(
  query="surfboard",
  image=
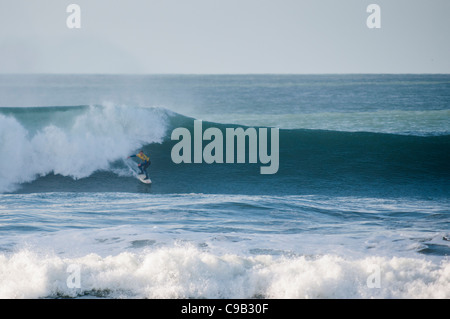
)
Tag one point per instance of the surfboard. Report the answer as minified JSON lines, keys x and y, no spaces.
{"x":132,"y":166}
{"x":145,"y":181}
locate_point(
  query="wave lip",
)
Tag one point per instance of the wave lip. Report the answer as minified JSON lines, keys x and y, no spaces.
{"x":411,"y":122}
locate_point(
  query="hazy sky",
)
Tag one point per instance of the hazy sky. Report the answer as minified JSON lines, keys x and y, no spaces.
{"x":225,"y":36}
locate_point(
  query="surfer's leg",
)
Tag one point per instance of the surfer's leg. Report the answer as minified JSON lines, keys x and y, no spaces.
{"x":146,"y":165}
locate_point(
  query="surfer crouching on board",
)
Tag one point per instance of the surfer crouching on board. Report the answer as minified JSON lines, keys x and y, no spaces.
{"x":145,"y":163}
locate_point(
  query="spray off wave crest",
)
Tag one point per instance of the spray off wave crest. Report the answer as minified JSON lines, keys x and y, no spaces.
{"x":78,"y":142}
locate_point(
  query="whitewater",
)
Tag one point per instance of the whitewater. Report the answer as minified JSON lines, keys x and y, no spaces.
{"x":359,"y":207}
{"x":89,"y":142}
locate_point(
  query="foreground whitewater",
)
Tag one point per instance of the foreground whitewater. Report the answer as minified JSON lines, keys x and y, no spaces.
{"x":117,"y":245}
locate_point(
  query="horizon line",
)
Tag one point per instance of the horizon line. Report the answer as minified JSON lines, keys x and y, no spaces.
{"x":197,"y":74}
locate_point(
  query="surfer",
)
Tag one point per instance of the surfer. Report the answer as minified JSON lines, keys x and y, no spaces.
{"x":145,"y":163}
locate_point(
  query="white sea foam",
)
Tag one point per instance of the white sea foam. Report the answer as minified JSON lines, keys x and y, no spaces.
{"x":92,"y":141}
{"x":188,"y":272}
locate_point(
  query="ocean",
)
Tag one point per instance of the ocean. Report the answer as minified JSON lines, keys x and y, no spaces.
{"x":358,"y":207}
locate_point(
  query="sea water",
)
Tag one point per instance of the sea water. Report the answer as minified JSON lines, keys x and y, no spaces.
{"x":359,"y":207}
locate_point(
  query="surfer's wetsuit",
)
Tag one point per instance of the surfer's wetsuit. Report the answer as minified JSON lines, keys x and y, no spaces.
{"x":145,"y":163}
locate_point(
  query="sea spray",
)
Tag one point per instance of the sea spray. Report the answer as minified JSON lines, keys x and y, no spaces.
{"x":87,"y":143}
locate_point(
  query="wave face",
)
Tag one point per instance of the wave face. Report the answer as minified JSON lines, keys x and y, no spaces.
{"x":83,"y":148}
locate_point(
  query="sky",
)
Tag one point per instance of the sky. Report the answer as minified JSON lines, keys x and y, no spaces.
{"x":224,"y":37}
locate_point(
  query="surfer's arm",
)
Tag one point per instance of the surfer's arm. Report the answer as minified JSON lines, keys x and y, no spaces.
{"x":131,"y":156}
